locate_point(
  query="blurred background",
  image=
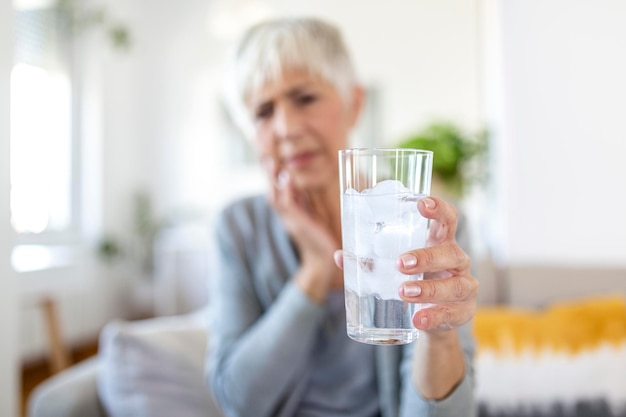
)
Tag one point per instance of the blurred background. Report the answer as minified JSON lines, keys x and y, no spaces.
{"x":115,"y":150}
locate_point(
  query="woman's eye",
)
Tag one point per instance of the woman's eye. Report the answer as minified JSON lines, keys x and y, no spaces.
{"x":264,"y":112}
{"x":306,"y":99}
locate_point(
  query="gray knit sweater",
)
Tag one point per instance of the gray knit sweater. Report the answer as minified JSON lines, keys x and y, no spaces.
{"x":264,"y":331}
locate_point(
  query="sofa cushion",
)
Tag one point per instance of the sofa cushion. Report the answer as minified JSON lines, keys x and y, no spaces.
{"x":568,"y":359}
{"x":155,"y":368}
{"x":71,"y":393}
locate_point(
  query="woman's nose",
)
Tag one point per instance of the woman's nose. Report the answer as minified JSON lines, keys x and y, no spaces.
{"x":287,"y":122}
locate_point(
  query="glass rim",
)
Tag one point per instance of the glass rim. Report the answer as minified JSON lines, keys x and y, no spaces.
{"x":380,"y":150}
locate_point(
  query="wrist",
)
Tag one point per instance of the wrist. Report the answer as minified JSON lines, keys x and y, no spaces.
{"x":311,"y":281}
{"x":438,"y":363}
{"x":439,"y":337}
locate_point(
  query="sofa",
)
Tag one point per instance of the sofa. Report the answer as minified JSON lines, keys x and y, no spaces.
{"x":561,"y":353}
{"x":143,"y":368}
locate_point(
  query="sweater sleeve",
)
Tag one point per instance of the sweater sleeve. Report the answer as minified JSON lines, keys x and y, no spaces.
{"x":460,"y":402}
{"x":256,"y":355}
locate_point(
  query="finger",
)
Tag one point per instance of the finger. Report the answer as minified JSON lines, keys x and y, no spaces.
{"x":445,"y":218}
{"x":446,"y":290}
{"x":444,"y":316}
{"x":444,"y":257}
{"x":283,"y":191}
{"x":283,"y":179}
{"x":338,"y":257}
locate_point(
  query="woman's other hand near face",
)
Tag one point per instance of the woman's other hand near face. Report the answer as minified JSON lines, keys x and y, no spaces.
{"x":307,"y":221}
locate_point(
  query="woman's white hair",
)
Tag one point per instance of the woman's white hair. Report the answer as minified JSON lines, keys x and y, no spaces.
{"x":269,"y":48}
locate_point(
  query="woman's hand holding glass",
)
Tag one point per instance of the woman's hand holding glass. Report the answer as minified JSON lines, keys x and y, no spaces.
{"x":448,"y":284}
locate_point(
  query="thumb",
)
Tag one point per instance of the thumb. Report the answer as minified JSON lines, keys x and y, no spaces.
{"x":338,"y":257}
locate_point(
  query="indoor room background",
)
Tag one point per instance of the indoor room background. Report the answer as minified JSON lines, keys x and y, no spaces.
{"x":152,"y":155}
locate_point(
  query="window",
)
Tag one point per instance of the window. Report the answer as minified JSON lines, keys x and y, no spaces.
{"x":44,"y":150}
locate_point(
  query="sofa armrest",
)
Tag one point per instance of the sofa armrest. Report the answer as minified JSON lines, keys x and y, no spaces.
{"x":71,"y":393}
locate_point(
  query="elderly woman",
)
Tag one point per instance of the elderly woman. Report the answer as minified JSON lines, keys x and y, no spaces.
{"x":279,"y":343}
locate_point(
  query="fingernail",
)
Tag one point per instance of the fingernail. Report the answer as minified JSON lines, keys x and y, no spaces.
{"x":424,"y":321}
{"x":408,"y":260}
{"x":429,"y":203}
{"x":283,"y":178}
{"x":411,"y":290}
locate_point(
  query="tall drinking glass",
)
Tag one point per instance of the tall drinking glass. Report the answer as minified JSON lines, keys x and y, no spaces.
{"x":380,"y":189}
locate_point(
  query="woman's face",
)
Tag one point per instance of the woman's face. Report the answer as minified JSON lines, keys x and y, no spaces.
{"x":300,"y":122}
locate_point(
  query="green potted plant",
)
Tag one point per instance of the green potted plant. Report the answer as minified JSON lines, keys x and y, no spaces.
{"x":460,"y":158}
{"x":80,"y":17}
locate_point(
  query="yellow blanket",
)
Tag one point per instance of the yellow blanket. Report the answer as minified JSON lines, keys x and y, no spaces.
{"x":571,"y":326}
{"x":567,"y":356}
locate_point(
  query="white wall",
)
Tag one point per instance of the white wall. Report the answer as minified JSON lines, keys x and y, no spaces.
{"x":8,"y":295}
{"x":558,"y":107}
{"x":159,"y":115}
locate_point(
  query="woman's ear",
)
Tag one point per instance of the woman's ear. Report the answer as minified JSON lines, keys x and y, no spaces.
{"x":357,"y":102}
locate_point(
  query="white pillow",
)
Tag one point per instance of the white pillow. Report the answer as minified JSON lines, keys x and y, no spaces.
{"x":155,"y":368}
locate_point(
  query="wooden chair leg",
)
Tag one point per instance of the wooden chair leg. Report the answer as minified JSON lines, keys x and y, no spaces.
{"x":59,"y":357}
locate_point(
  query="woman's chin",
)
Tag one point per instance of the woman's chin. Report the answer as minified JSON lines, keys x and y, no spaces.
{"x":311,"y":183}
{"x":315,"y":178}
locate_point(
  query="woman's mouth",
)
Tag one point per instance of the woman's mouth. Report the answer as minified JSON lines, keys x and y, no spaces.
{"x":300,"y":160}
